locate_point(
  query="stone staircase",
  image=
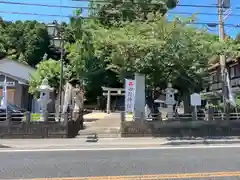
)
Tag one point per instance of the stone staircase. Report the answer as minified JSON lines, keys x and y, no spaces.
{"x":109,"y":126}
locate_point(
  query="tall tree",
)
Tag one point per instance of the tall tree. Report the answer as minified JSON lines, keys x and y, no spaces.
{"x":85,"y":64}
{"x":24,"y":41}
{"x":110,"y":11}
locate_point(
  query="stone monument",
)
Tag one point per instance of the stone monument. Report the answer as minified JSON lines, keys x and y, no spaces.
{"x":44,"y":99}
{"x":78,"y":97}
{"x":139,"y":97}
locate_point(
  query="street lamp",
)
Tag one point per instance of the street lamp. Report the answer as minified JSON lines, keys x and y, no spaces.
{"x":52,"y":29}
{"x":57,"y":40}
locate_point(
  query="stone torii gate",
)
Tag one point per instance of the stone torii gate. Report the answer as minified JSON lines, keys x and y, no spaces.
{"x":107,"y":91}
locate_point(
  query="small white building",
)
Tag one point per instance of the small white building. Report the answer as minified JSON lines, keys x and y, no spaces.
{"x":18,"y":76}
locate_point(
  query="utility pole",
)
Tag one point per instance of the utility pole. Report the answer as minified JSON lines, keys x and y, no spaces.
{"x":222,"y":57}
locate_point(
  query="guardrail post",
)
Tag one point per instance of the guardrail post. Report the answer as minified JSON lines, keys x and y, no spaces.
{"x":8,"y":118}
{"x":28,"y":117}
{"x":159,"y":116}
{"x":65,"y":118}
{"x":122,"y":116}
{"x":210,"y":114}
{"x":45,"y":116}
{"x":142,"y":117}
{"x":8,"y":121}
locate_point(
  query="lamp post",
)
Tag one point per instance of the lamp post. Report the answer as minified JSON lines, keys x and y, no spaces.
{"x":57,"y":41}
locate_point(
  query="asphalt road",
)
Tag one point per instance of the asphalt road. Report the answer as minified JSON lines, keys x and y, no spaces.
{"x":16,"y":165}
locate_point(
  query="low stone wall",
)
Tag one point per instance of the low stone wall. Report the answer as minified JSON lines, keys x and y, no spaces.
{"x":180,"y":129}
{"x":33,"y":130}
{"x":135,"y":129}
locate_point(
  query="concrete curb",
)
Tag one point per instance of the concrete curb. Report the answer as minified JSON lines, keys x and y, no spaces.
{"x":202,"y":142}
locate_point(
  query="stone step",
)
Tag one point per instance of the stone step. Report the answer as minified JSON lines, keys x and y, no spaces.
{"x":100,"y":132}
{"x":99,"y":136}
{"x":92,"y":138}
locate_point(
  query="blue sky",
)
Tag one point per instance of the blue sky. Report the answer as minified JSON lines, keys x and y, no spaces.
{"x":8,"y":8}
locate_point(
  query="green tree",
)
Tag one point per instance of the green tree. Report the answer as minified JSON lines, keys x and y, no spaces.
{"x":49,"y":69}
{"x":164,"y":51}
{"x":85,"y":65}
{"x":119,"y":10}
{"x":24,"y":41}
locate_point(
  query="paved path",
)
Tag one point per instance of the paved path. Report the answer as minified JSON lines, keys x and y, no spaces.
{"x":208,"y":163}
{"x":94,"y":116}
{"x":106,"y":125}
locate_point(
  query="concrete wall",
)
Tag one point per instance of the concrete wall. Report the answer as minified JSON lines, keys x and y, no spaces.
{"x":21,"y":126}
{"x":180,"y":129}
{"x":33,"y":130}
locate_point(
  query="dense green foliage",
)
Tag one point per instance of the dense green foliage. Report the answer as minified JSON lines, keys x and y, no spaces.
{"x":113,"y":12}
{"x":23,"y":41}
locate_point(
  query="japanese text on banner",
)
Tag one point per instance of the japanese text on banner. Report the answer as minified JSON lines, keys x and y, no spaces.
{"x":129,"y":95}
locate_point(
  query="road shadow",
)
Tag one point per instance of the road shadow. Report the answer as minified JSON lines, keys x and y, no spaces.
{"x":3,"y":146}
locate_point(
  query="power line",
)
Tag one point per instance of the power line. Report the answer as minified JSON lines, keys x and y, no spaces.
{"x":84,"y":7}
{"x":198,"y":13}
{"x":43,"y":5}
{"x":184,"y":5}
{"x":34,"y":14}
{"x":68,"y":16}
{"x":97,"y":1}
{"x":58,"y":15}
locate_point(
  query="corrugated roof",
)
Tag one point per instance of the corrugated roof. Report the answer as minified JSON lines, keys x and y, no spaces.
{"x":16,"y":69}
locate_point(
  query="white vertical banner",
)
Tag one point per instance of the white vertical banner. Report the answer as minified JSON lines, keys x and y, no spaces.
{"x":4,"y":95}
{"x":129,"y":95}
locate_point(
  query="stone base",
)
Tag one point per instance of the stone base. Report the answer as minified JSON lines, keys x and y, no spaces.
{"x":180,"y":129}
{"x":33,"y":130}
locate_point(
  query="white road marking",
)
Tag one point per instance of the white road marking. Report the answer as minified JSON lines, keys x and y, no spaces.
{"x":116,"y":149}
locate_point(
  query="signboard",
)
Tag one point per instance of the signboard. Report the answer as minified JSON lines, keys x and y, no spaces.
{"x":195,"y":99}
{"x":129,"y":95}
{"x":9,"y":84}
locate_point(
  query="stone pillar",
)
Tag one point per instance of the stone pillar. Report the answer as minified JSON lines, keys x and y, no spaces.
{"x":108,"y":101}
{"x":139,"y":104}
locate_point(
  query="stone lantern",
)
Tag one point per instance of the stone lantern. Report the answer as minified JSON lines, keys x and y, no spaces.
{"x":44,"y":99}
{"x":170,"y":100}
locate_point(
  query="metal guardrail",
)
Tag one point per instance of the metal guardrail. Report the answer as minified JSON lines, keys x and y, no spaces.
{"x":19,"y":117}
{"x":13,"y":116}
{"x":185,"y":117}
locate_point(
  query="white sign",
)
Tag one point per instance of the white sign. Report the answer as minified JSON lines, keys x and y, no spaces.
{"x":129,"y":95}
{"x":195,"y":99}
{"x":9,"y":84}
